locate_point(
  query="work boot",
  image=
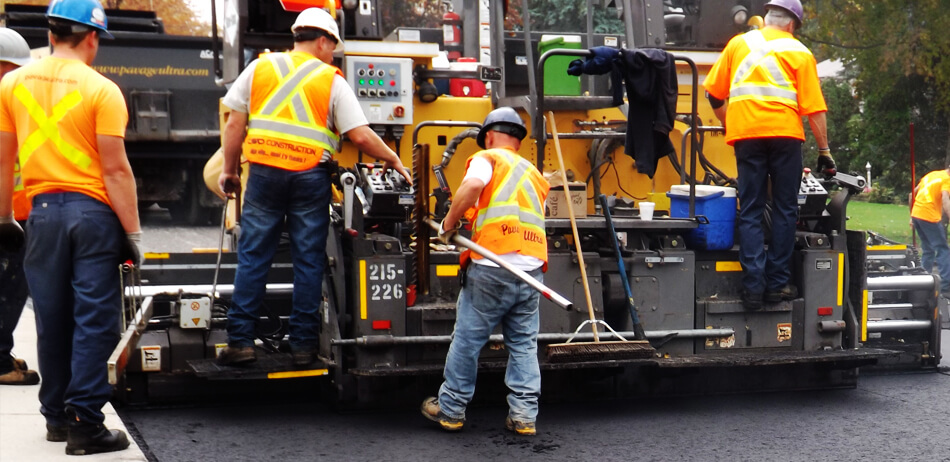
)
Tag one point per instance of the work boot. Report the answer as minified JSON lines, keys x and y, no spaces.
{"x":303,"y":356}
{"x":520,"y":427}
{"x":85,"y":438}
{"x":56,"y":433}
{"x":751,"y":301}
{"x":786,"y":292}
{"x":20,"y":375}
{"x":236,"y":356}
{"x":431,"y":410}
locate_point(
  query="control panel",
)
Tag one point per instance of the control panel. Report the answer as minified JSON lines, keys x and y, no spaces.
{"x":811,"y":196}
{"x":383,"y":87}
{"x":389,"y":194}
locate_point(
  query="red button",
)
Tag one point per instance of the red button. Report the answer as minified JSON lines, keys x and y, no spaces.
{"x":392,"y":83}
{"x":370,"y":66}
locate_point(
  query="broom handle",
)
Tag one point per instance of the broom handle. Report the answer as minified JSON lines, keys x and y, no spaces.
{"x":577,"y":239}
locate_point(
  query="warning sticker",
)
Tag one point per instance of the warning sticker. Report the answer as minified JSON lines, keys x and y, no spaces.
{"x":152,"y":358}
{"x":784,"y":332}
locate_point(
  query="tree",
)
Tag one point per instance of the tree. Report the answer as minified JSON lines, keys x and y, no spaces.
{"x":896,"y":50}
{"x":177,"y":15}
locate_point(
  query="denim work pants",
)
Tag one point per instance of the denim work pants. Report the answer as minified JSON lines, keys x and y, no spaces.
{"x":934,"y":248}
{"x":274,"y":196}
{"x":492,"y":296}
{"x":760,"y":160}
{"x":72,"y":267}
{"x":13,"y":294}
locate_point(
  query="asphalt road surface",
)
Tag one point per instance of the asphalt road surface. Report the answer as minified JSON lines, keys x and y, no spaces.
{"x":901,"y":417}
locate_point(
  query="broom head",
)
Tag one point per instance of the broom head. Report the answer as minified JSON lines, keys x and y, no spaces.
{"x":599,"y":351}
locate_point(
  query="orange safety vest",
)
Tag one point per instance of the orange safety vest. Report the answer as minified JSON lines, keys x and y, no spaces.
{"x":509,"y":215}
{"x":771,"y":81}
{"x":289,"y":112}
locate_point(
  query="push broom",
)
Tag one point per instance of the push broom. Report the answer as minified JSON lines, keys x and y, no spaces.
{"x":596,"y":350}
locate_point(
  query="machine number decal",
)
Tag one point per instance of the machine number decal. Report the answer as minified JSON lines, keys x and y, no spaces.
{"x":823,"y":264}
{"x":387,"y":288}
{"x":784,"y":332}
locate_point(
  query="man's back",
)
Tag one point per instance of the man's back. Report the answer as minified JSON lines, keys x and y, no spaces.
{"x":928,"y":200}
{"x":57,"y":107}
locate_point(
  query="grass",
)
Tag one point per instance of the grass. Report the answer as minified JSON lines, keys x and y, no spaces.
{"x":889,"y":220}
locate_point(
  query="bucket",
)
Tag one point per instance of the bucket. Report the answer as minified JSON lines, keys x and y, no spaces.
{"x":556,"y":79}
{"x":717,"y":204}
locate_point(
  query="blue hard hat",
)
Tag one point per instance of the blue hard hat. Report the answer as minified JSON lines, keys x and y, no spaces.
{"x":86,"y":12}
{"x":505,"y":120}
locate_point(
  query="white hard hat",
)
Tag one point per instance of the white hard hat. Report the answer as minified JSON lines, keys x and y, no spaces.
{"x":319,"y":19}
{"x":13,"y":48}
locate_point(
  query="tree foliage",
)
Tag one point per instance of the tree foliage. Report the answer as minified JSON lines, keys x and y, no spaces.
{"x":177,"y":15}
{"x":894,"y":50}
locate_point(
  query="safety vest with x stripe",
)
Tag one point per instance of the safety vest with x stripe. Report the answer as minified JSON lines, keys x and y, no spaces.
{"x":290,"y":111}
{"x":509,"y":216}
{"x":772,"y":84}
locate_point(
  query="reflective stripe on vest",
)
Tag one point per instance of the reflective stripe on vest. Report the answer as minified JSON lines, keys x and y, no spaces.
{"x":762,"y":56}
{"x":47,"y":129}
{"x":504,"y":201}
{"x":289,"y":94}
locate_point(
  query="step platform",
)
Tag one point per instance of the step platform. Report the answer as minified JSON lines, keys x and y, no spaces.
{"x":267,"y":366}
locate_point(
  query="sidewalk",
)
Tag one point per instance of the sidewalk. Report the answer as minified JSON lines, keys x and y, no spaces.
{"x":23,"y":429}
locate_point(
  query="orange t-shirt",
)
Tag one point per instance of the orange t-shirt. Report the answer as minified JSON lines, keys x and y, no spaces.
{"x":763,"y":116}
{"x":929,"y":198}
{"x":57,"y":107}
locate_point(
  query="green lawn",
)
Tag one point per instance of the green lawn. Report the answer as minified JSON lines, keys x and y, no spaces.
{"x":891,"y":221}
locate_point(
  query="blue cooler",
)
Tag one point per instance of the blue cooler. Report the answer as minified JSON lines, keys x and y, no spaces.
{"x":716,"y":203}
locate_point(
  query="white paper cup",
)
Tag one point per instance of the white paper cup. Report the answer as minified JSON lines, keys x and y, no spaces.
{"x":646,"y":210}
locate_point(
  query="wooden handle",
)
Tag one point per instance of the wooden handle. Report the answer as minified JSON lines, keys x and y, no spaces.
{"x":577,"y":238}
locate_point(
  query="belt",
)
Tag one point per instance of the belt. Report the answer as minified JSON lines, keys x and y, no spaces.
{"x":61,"y":197}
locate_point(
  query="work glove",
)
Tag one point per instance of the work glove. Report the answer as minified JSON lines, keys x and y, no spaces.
{"x":826,"y":164}
{"x":445,"y":236}
{"x":130,"y":248}
{"x":11,"y":235}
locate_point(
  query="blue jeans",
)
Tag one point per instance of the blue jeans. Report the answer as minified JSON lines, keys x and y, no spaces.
{"x":13,"y":294}
{"x":934,"y":248}
{"x":759,"y":160}
{"x":274,"y":196}
{"x":72,"y":267}
{"x":492,"y":296}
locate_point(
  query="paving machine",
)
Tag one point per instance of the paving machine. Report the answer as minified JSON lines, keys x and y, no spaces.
{"x":390,"y":288}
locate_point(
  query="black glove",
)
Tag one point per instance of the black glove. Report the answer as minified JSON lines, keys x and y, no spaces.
{"x":11,"y":235}
{"x":826,"y":164}
{"x":446,"y":235}
{"x":130,"y":249}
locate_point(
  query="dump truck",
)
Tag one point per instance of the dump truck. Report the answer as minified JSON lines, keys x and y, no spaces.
{"x":169,"y":87}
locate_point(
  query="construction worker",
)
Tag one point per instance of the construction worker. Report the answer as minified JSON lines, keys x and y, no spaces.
{"x":761,"y":86}
{"x":502,"y":195}
{"x":65,"y":124}
{"x":289,"y":141}
{"x":14,"y":52}
{"x":929,"y":213}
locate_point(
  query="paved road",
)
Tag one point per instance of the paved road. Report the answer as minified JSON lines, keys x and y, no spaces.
{"x":888,"y":417}
{"x":904,"y":417}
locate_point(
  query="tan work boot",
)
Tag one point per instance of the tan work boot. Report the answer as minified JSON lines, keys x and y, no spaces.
{"x":236,"y":356}
{"x":431,"y":410}
{"x":520,"y":427}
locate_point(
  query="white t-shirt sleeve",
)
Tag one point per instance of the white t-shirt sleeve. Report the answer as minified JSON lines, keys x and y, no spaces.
{"x":479,"y":168}
{"x":238,"y":97}
{"x":344,"y":106}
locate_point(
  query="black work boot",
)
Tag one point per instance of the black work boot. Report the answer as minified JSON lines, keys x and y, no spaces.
{"x":90,"y":438}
